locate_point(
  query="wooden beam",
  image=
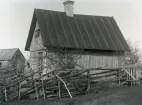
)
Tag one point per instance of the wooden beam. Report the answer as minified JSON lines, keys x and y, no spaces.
{"x":65,"y":86}
{"x":89,"y":86}
{"x":19,"y":95}
{"x":43,"y":90}
{"x":129,"y":74}
{"x":59,"y":89}
{"x":5,"y":93}
{"x":36,"y":90}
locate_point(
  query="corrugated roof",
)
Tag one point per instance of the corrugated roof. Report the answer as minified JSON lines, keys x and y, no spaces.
{"x":7,"y":54}
{"x":80,"y":31}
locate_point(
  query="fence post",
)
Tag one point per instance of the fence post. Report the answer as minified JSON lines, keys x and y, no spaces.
{"x":88,"y":86}
{"x":59,"y":92}
{"x":36,"y":89}
{"x":64,"y":85}
{"x":55,"y":79}
{"x":128,"y":78}
{"x":5,"y":93}
{"x":43,"y":89}
{"x":19,"y":95}
{"x":119,"y":77}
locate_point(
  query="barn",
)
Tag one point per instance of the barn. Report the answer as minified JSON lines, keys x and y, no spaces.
{"x":97,"y":40}
{"x":11,"y":62}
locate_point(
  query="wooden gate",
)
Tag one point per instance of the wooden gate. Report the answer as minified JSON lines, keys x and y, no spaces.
{"x":133,"y":74}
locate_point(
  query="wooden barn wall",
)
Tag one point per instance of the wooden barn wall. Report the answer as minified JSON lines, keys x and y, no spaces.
{"x":5,"y":64}
{"x":101,"y":59}
{"x":96,"y":59}
{"x":18,"y":61}
{"x":5,"y":67}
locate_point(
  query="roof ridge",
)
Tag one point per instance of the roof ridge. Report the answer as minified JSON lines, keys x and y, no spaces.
{"x":76,"y":14}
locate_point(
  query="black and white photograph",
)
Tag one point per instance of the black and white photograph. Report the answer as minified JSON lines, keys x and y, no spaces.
{"x":70,"y":52}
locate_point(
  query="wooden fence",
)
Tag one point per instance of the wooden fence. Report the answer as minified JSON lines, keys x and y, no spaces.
{"x":66,"y":83}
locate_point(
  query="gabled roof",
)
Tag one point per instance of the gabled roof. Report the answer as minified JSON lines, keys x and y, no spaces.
{"x":80,"y":31}
{"x":7,"y":54}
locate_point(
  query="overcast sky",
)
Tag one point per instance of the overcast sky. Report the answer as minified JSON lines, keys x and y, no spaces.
{"x":16,"y":15}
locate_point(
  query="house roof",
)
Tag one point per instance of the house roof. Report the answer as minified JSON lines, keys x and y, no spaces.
{"x":80,"y":31}
{"x":7,"y":54}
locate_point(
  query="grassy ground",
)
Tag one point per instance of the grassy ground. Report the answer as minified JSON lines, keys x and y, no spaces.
{"x":111,"y":96}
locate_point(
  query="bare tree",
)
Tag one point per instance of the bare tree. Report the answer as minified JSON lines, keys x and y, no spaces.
{"x":134,"y":55}
{"x":60,"y":57}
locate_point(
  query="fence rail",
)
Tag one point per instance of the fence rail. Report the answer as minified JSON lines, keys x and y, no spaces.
{"x":66,"y":83}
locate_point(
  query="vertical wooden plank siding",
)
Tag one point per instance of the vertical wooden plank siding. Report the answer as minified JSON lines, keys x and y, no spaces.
{"x":104,"y":60}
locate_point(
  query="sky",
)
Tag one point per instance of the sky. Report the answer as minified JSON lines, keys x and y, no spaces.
{"x":16,"y":15}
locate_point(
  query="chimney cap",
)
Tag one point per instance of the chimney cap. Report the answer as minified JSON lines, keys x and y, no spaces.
{"x":68,"y":2}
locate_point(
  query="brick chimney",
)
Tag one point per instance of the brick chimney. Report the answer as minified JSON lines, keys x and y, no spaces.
{"x":68,"y":7}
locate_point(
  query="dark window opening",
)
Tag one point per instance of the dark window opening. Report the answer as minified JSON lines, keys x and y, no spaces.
{"x":37,"y":32}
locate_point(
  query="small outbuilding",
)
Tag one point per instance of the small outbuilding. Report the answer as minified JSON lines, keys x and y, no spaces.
{"x":12,"y":61}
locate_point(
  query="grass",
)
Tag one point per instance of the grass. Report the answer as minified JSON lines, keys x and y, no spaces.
{"x":111,"y":96}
